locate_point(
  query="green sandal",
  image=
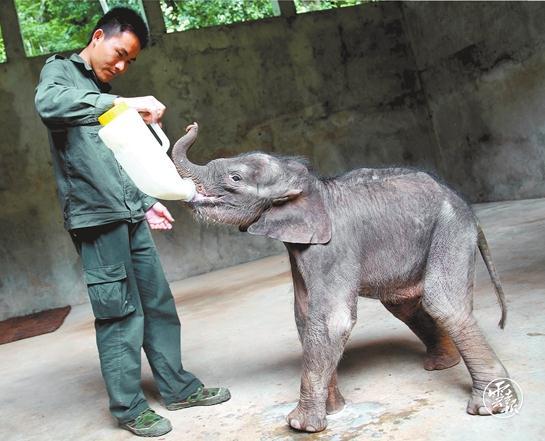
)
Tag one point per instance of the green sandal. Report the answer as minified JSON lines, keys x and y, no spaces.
{"x":148,"y":423}
{"x":205,"y":396}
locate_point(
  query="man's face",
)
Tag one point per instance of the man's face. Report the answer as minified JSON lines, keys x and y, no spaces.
{"x":111,"y":56}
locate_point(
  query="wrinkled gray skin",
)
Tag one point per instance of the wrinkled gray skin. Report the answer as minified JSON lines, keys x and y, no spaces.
{"x":395,"y":235}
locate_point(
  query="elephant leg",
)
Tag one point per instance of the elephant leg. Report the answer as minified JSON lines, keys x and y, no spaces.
{"x":481,"y":361}
{"x":327,"y":329}
{"x":448,"y":299}
{"x":335,"y":401}
{"x":301,"y":300}
{"x":441,"y":351}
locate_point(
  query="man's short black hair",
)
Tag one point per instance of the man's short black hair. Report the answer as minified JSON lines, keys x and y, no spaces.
{"x":121,"y":19}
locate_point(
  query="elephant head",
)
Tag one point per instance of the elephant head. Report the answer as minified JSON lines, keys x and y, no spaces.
{"x":266,"y":195}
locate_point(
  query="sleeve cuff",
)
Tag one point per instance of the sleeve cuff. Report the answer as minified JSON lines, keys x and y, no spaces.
{"x":148,"y":202}
{"x":105,"y":102}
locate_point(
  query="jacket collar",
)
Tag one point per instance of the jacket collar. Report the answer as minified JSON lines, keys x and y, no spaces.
{"x":82,"y":64}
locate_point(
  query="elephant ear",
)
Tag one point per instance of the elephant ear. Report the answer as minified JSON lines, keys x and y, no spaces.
{"x":295,"y":218}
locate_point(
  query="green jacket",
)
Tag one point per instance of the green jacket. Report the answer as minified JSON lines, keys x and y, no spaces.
{"x":92,"y":187}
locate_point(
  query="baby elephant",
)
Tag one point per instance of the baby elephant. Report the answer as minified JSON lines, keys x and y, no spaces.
{"x":396,"y":235}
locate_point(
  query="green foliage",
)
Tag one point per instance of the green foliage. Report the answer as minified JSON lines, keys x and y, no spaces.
{"x":2,"y":50}
{"x":181,"y":15}
{"x":133,"y":4}
{"x":302,"y":6}
{"x":56,"y":25}
{"x":51,"y":26}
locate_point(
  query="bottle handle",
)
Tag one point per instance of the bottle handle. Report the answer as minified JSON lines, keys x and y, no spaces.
{"x":160,"y":135}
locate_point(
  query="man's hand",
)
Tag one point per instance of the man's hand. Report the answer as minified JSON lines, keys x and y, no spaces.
{"x":149,"y":107}
{"x":159,"y":218}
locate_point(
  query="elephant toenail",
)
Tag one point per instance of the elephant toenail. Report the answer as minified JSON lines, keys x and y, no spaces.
{"x":295,"y":424}
{"x":311,"y":429}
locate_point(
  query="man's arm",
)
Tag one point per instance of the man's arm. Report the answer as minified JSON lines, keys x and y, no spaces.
{"x":59,"y":103}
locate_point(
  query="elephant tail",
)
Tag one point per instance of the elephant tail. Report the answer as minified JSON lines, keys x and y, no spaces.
{"x":485,"y":253}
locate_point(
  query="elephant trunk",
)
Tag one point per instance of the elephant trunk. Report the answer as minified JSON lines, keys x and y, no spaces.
{"x":185,"y":167}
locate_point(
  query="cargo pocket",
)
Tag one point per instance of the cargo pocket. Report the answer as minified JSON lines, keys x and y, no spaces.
{"x":107,"y":286}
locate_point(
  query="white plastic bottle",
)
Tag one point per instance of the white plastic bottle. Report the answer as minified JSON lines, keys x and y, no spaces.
{"x":141,"y":155}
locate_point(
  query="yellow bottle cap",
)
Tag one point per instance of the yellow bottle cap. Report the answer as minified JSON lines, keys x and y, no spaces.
{"x":113,"y":113}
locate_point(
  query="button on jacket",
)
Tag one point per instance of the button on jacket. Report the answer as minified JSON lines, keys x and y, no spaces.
{"x":93,"y":189}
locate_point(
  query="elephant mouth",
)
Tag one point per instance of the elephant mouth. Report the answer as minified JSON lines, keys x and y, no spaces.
{"x":201,"y":198}
{"x":211,"y":209}
{"x":219,"y":208}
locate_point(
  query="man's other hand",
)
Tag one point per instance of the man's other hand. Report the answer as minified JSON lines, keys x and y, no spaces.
{"x":159,"y":218}
{"x":149,"y":107}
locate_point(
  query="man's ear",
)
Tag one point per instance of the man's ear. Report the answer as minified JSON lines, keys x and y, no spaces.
{"x":98,"y":35}
{"x":295,"y":218}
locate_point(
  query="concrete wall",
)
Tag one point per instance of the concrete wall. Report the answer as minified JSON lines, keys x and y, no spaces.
{"x":482,"y":66}
{"x":377,"y":84}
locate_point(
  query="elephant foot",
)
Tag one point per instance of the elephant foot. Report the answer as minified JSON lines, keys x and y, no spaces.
{"x":335,"y":402}
{"x":475,"y":405}
{"x":305,"y":421}
{"x":500,"y":397}
{"x":441,"y":360}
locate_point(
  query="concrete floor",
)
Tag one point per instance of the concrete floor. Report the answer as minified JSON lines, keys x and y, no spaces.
{"x":239,"y":331}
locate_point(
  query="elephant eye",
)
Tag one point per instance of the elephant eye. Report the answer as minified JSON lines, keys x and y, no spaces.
{"x":236,"y":178}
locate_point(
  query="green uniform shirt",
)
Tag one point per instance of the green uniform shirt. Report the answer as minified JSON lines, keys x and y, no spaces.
{"x":92,"y":187}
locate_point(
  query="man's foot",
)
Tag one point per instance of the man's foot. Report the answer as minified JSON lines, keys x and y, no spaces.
{"x":205,"y":396}
{"x":148,"y":423}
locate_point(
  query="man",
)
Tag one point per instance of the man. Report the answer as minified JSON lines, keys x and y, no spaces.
{"x":105,"y":215}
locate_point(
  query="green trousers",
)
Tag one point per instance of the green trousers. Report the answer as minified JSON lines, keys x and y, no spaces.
{"x":134,"y":309}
